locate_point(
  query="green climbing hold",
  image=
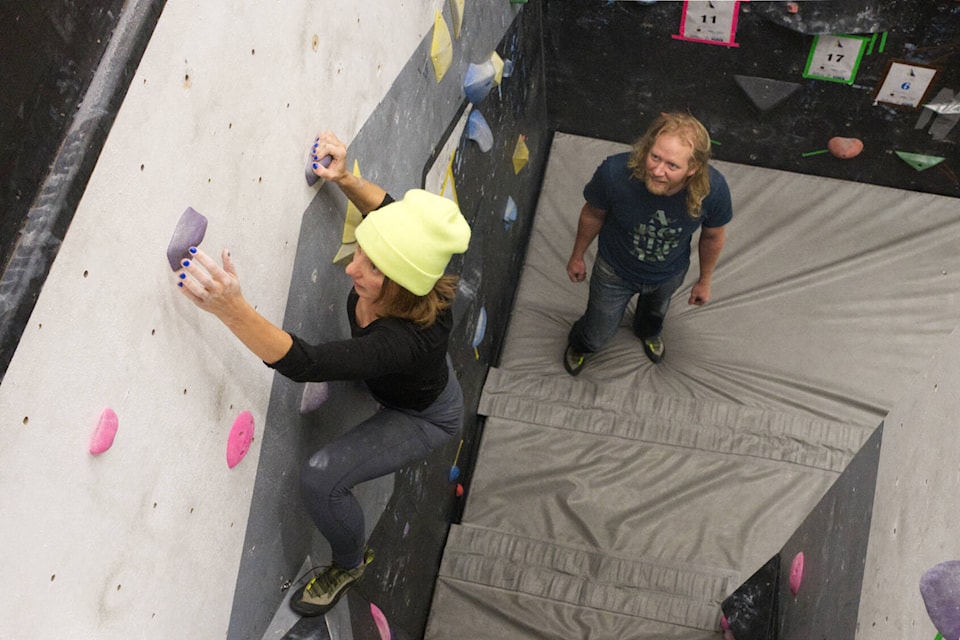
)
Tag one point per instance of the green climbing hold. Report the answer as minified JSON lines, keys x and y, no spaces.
{"x":918,"y":161}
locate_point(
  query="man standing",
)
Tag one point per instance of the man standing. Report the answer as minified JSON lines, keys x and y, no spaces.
{"x":645,"y":206}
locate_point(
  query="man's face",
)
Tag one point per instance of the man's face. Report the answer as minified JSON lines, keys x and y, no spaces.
{"x":668,"y":165}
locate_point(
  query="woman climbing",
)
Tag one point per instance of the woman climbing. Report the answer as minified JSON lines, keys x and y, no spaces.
{"x":400,"y":316}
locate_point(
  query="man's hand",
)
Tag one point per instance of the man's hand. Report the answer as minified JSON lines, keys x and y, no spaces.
{"x":588,"y":226}
{"x":577,"y":269}
{"x":700,"y":293}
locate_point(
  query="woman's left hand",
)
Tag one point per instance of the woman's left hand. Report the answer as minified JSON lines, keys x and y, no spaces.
{"x":211,"y":287}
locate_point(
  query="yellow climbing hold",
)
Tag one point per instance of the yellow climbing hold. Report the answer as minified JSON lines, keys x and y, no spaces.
{"x":353,"y":217}
{"x":456,"y":12}
{"x":498,"y":66}
{"x":448,"y":189}
{"x":521,"y":154}
{"x":345,"y":253}
{"x":441,"y":49}
{"x":348,"y":240}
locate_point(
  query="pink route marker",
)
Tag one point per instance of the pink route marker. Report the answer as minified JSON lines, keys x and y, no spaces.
{"x":105,"y":432}
{"x":241,"y":435}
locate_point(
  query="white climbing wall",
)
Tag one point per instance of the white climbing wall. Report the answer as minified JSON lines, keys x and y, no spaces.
{"x":145,"y":539}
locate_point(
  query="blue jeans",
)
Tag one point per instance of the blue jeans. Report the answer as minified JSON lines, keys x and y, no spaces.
{"x":382,"y":444}
{"x":609,"y":296}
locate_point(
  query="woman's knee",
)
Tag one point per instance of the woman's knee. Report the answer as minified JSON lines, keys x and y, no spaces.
{"x":315,"y":475}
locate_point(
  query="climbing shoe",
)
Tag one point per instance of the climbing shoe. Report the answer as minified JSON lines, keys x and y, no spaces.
{"x":653,"y":347}
{"x":573,"y":361}
{"x":320,"y":594}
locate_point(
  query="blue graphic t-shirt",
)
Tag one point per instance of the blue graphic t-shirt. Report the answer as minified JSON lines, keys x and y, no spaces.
{"x":646,"y":237}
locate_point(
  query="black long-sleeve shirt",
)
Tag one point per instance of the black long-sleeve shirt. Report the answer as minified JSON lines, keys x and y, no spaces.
{"x":403,"y":365}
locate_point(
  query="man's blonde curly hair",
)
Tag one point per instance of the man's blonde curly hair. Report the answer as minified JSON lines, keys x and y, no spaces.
{"x":694,"y":134}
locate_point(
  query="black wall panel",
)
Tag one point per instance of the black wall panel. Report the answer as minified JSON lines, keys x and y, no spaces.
{"x":613,"y":66}
{"x":49,"y":50}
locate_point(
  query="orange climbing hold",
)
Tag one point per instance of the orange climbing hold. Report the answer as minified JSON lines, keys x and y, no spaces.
{"x":845,"y":148}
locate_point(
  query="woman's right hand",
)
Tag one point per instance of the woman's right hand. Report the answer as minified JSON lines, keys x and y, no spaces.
{"x":213,"y":288}
{"x":216,"y":289}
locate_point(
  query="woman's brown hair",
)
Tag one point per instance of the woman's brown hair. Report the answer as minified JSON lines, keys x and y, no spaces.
{"x":396,"y":302}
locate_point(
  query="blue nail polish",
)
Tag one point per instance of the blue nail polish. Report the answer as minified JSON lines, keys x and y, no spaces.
{"x":315,"y":144}
{"x":193,"y":249}
{"x":185,"y":263}
{"x":316,"y":166}
{"x":180,"y":284}
{"x":183,"y":276}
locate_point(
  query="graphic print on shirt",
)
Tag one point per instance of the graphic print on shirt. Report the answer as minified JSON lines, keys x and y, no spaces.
{"x":655,"y":240}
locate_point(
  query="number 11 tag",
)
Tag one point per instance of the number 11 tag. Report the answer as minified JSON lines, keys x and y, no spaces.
{"x":709,"y":21}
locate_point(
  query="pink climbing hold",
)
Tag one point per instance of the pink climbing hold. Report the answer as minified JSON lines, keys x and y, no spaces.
{"x":105,"y":432}
{"x":845,"y":148}
{"x":725,"y":627}
{"x":241,"y":435}
{"x":796,"y":573}
{"x":381,"y":621}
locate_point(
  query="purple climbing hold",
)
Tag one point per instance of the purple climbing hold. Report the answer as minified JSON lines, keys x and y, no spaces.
{"x":188,"y":233}
{"x":309,"y":174}
{"x":314,"y":395}
{"x":940,"y":588}
{"x":105,"y":432}
{"x":241,"y":435}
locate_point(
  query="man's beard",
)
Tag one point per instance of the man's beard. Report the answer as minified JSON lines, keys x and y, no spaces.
{"x":659,"y":188}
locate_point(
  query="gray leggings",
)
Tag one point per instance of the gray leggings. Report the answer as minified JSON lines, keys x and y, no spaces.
{"x":382,"y":444}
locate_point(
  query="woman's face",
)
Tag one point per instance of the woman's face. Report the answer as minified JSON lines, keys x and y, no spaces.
{"x":367,"y":279}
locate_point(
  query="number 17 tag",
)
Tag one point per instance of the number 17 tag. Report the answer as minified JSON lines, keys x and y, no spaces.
{"x":835,"y":58}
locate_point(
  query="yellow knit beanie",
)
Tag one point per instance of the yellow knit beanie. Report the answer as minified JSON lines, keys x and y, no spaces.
{"x":412,"y":240}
